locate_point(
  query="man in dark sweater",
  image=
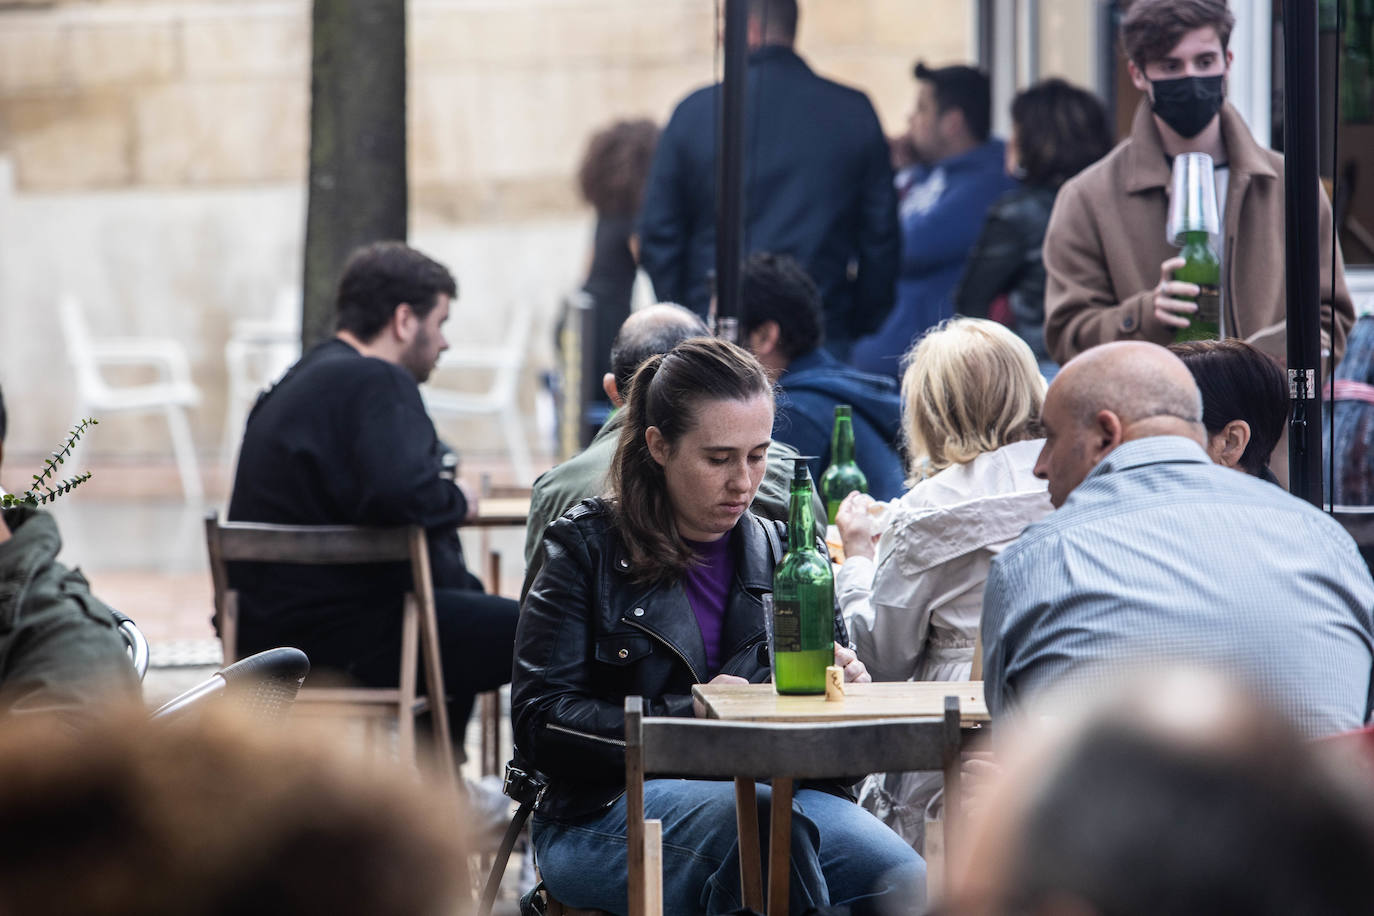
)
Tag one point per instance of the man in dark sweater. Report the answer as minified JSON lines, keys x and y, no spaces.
{"x":344,"y":439}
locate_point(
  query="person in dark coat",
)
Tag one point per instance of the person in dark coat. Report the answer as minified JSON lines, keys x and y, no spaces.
{"x":344,"y":439}
{"x":1057,"y":130}
{"x":817,"y":186}
{"x":780,"y":323}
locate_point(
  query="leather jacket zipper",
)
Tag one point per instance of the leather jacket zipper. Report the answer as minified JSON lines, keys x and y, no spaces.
{"x":674,"y":649}
{"x":590,"y":737}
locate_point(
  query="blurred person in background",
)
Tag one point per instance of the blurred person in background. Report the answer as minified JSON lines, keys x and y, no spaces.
{"x":1351,"y":396}
{"x":817,"y":186}
{"x":60,"y":648}
{"x":944,"y":201}
{"x":1057,"y":130}
{"x":217,"y":817}
{"x":611,"y":178}
{"x":1244,"y":402}
{"x":780,"y":321}
{"x":1175,"y":793}
{"x":911,"y":586}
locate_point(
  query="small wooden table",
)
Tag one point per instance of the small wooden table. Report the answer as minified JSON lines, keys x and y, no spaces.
{"x":501,"y":511}
{"x":886,"y":700}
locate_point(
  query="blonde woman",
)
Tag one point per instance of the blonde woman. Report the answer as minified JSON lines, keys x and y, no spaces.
{"x":911,"y":587}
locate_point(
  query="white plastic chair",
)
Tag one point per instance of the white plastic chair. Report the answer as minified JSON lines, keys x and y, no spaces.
{"x":258,"y":352}
{"x":501,"y":400}
{"x":171,"y":394}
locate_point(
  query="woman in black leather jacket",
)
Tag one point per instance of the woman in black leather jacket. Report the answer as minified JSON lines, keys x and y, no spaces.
{"x":648,"y":592}
{"x":1057,"y":131}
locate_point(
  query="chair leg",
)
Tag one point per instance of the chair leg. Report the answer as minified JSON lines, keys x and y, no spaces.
{"x":750,"y":861}
{"x":514,"y":431}
{"x":183,"y":448}
{"x":410,"y":627}
{"x":779,"y":847}
{"x":653,"y":867}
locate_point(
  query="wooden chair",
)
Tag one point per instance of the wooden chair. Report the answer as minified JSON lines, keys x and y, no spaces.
{"x":782,"y":753}
{"x":309,"y":545}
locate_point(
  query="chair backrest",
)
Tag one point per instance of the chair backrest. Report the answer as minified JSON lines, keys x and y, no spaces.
{"x":80,"y":350}
{"x":134,"y":641}
{"x":308,"y":545}
{"x":672,"y":746}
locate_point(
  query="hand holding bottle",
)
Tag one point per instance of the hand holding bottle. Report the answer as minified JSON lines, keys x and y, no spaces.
{"x":1170,"y":297}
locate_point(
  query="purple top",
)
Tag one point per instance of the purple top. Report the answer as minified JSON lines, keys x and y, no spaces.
{"x":707,"y":585}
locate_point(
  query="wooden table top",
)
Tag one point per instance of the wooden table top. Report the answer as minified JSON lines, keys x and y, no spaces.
{"x":760,"y":703}
{"x":500,"y":511}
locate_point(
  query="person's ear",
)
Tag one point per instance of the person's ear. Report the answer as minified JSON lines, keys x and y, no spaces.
{"x":612,"y":390}
{"x":763,"y":340}
{"x":1138,"y":78}
{"x":1234,"y":437}
{"x":1108,"y":432}
{"x":658,"y":445}
{"x":404,"y":323}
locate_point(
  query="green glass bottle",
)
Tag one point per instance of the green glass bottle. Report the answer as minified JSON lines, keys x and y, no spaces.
{"x":803,"y":599}
{"x":843,"y":476}
{"x":1203,"y":267}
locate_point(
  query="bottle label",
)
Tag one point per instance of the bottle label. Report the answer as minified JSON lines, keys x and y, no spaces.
{"x":1208,"y":304}
{"x":787,"y":635}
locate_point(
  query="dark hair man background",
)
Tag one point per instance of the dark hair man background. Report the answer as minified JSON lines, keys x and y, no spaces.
{"x":1109,"y":267}
{"x":344,"y":439}
{"x":818,"y":185}
{"x":647,"y":332}
{"x":944,"y":199}
{"x":780,"y":323}
{"x":60,"y":648}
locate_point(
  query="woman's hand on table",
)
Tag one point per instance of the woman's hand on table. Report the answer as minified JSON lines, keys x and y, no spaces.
{"x":858,"y":528}
{"x":699,"y":708}
{"x":854,"y":670}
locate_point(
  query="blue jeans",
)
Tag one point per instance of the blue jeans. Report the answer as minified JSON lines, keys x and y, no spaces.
{"x":841,"y":854}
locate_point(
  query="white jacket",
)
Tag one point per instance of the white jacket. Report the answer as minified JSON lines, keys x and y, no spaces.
{"x":915,"y":614}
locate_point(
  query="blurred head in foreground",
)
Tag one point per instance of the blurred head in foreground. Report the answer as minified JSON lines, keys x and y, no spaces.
{"x":1177,"y":795}
{"x":221,"y":818}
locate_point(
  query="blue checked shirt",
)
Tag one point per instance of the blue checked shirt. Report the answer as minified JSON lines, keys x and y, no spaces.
{"x":1160,"y":556}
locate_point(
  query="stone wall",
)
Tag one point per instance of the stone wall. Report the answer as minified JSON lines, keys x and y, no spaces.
{"x":153,"y":153}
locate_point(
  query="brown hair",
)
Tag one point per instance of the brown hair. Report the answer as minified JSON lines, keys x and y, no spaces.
{"x":1239,"y":382}
{"x":971,"y":386}
{"x":218,"y":817}
{"x":1151,"y":28}
{"x":616,"y":165}
{"x":668,"y":392}
{"x":1060,"y":130}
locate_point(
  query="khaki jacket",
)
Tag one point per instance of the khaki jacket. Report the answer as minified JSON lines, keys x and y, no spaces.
{"x":1105,"y":243}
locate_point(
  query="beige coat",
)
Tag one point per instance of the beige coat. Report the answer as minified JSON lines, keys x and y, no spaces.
{"x":1105,"y":243}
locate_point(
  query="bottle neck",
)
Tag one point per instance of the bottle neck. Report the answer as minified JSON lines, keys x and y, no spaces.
{"x":842,"y":442}
{"x":801,"y":520}
{"x":1196,"y":238}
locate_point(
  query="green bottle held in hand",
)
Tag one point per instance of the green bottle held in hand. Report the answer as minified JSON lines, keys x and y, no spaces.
{"x":803,"y":599}
{"x":1192,"y":225}
{"x":843,"y":476}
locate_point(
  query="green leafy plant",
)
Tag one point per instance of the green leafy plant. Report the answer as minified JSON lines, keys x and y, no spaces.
{"x":46,"y":486}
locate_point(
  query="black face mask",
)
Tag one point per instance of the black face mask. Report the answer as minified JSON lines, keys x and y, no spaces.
{"x":1188,"y":103}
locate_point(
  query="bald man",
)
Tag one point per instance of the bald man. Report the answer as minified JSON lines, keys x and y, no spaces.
{"x":647,"y":332}
{"x":1157,"y":555}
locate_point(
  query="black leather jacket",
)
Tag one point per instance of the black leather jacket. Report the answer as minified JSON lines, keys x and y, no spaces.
{"x":1006,"y":259}
{"x":589,"y":637}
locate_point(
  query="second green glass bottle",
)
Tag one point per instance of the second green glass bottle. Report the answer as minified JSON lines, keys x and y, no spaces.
{"x":843,"y":476}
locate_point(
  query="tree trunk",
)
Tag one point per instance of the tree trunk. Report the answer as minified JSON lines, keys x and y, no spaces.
{"x":357,"y":190}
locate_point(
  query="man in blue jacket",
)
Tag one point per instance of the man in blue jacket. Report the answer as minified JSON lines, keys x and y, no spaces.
{"x":944,"y":201}
{"x":817,"y":185}
{"x":780,"y":322}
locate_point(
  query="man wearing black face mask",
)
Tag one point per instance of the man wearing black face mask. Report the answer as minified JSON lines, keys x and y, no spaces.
{"x":1109,"y":267}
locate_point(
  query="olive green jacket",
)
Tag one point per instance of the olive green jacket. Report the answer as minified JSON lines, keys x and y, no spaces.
{"x":60,"y":648}
{"x":585,"y":475}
